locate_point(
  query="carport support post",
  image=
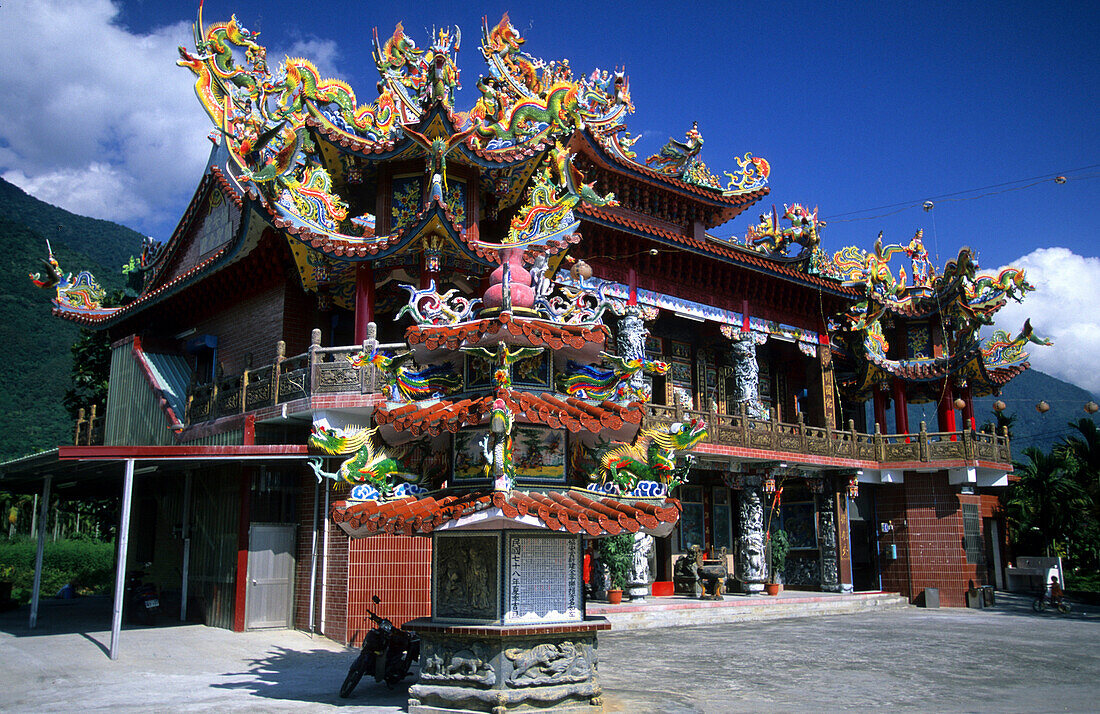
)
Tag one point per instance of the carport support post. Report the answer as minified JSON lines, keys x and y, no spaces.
{"x":185,"y":533}
{"x":123,"y":543}
{"x":40,"y":553}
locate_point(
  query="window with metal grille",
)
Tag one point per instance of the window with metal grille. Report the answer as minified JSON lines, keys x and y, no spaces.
{"x":972,"y":534}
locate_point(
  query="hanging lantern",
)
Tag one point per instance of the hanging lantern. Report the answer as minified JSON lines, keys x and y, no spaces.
{"x":960,"y":403}
{"x":999,"y":406}
{"x":1059,"y":179}
{"x":1042,"y":407}
{"x":769,"y":484}
{"x":927,"y":206}
{"x":1092,"y":407}
{"x":853,"y":487}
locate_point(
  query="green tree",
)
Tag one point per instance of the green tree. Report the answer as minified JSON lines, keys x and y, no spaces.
{"x":1046,"y":504}
{"x":1083,"y":449}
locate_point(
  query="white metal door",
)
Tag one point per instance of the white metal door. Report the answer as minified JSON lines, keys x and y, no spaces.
{"x":270,"y":575}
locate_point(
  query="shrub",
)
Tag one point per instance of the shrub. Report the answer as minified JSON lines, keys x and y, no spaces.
{"x":617,"y":553}
{"x":88,"y":565}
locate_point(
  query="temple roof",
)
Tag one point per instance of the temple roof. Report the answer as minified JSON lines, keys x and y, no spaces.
{"x":620,"y":220}
{"x":571,"y":511}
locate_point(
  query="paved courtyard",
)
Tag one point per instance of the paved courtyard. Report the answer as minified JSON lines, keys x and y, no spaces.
{"x":1003,"y":659}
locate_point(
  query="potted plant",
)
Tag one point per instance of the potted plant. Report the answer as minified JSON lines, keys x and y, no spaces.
{"x":778,"y":547}
{"x":617,"y":552}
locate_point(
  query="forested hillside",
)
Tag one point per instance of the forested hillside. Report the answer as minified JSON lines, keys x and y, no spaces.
{"x":36,"y":364}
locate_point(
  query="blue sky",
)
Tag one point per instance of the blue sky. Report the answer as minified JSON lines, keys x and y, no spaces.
{"x":855,"y":105}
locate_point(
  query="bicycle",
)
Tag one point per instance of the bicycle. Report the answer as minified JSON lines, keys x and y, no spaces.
{"x":1043,"y":602}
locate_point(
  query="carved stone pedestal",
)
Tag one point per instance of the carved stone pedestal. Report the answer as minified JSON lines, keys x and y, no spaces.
{"x":505,"y":668}
{"x":508,"y":630}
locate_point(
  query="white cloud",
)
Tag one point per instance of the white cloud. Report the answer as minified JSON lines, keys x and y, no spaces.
{"x":1065,"y":308}
{"x":101,"y":121}
{"x":98,"y":120}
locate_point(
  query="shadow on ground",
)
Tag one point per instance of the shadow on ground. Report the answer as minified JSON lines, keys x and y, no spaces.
{"x":312,"y":676}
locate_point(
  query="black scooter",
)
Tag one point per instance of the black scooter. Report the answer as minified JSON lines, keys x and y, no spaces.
{"x":388,"y":653}
{"x":144,"y":600}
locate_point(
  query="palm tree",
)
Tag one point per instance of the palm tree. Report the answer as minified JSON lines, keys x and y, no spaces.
{"x":1046,"y":504}
{"x":1084,"y":450}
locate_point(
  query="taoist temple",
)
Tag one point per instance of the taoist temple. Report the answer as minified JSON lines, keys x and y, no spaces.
{"x":396,"y":346}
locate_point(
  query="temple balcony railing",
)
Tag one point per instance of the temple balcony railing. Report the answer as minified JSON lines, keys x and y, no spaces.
{"x":328,"y":370}
{"x":743,"y":431}
{"x":88,"y":430}
{"x":319,"y":370}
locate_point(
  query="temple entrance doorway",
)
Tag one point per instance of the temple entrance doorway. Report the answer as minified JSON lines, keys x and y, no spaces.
{"x":863,"y":539}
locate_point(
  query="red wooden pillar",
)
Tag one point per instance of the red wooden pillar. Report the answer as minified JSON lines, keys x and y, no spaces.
{"x":364,"y":300}
{"x":968,"y":409}
{"x":879,"y":396}
{"x":901,"y":407}
{"x":632,"y":278}
{"x":946,"y":408}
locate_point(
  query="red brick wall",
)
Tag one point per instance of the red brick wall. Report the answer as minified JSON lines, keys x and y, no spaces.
{"x":252,"y":325}
{"x":928,"y":532}
{"x":398,"y":570}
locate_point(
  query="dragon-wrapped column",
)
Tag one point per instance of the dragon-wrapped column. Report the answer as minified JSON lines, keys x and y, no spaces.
{"x":746,"y":374}
{"x":631,"y":345}
{"x":826,"y":524}
{"x":751,"y":568}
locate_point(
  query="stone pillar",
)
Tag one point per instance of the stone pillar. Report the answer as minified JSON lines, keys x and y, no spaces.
{"x":827,"y":541}
{"x":751,"y":569}
{"x":638,"y":585}
{"x":630,"y":342}
{"x":746,"y":375}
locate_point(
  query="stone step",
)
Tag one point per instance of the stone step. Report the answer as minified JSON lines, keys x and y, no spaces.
{"x":684,"y":612}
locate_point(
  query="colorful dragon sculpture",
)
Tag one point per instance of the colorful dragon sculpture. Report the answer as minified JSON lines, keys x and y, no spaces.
{"x":1002,"y":350}
{"x":502,"y":359}
{"x":428,"y":307}
{"x":767,"y":237}
{"x":592,"y":382}
{"x":80,"y":292}
{"x":403,"y":381}
{"x":496,"y":447}
{"x":652,"y":457}
{"x":367,"y":464}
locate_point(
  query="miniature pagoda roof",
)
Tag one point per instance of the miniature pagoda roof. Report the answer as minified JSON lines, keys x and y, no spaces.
{"x":541,"y":408}
{"x":572,"y":511}
{"x":537,"y":333}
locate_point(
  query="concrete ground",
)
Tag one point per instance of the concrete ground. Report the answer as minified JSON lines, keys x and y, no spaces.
{"x":1002,"y":659}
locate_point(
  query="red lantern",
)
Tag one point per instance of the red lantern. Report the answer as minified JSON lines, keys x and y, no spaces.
{"x":1042,"y":407}
{"x":1092,"y":407}
{"x":999,"y":406}
{"x":960,"y":403}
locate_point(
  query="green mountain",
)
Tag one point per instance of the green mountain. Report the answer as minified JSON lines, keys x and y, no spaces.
{"x":36,"y":370}
{"x":1067,"y":403}
{"x":107,"y":243}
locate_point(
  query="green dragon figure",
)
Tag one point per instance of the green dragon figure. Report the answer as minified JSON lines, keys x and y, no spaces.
{"x":503,"y":359}
{"x":652,"y":457}
{"x":496,"y":447}
{"x":367,"y":465}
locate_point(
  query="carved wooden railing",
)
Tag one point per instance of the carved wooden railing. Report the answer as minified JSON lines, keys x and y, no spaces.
{"x":320,"y":370}
{"x":741,"y":430}
{"x":328,"y":370}
{"x":89,"y":427}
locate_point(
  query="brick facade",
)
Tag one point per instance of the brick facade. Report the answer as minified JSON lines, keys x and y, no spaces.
{"x":926,"y":514}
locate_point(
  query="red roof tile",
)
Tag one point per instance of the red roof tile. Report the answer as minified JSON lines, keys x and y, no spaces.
{"x":543,"y":408}
{"x":570,"y":511}
{"x":538,"y":333}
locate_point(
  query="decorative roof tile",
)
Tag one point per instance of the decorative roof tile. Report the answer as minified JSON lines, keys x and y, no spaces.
{"x":572,"y":511}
